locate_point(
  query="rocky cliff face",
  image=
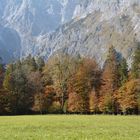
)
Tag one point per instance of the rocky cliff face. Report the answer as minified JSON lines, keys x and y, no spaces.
{"x":87,"y":27}
{"x":113,"y":23}
{"x":32,"y":19}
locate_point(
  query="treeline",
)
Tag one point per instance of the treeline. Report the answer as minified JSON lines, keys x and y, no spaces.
{"x":68,"y":84}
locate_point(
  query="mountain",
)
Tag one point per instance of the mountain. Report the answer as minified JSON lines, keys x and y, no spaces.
{"x":10,"y":44}
{"x":87,"y":27}
{"x":32,"y":19}
{"x":110,"y":23}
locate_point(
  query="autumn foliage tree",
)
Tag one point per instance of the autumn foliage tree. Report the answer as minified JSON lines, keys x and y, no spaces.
{"x":70,"y":84}
{"x":81,"y":85}
{"x":59,"y":69}
{"x":127,"y":97}
{"x":110,"y":82}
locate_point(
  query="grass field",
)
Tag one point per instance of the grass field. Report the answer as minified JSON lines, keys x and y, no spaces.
{"x":73,"y":127}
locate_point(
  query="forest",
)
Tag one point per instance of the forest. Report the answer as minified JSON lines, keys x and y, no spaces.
{"x":68,"y":84}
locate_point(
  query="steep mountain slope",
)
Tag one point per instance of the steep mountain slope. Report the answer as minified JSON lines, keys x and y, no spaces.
{"x":9,"y":44}
{"x":89,"y":26}
{"x":92,"y":35}
{"x":38,"y":17}
{"x":32,"y":18}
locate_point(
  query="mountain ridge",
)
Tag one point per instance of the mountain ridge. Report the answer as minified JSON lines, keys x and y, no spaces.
{"x":36,"y":25}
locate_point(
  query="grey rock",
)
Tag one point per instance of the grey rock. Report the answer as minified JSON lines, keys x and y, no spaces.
{"x":86,"y":27}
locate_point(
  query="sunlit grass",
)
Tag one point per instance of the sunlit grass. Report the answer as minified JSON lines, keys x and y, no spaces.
{"x":73,"y":127}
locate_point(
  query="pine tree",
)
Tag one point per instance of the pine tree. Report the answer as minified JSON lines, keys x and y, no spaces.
{"x":123,"y":71}
{"x":136,"y":63}
{"x":40,"y":63}
{"x":29,"y":63}
{"x":1,"y":73}
{"x":8,"y":83}
{"x":110,"y":82}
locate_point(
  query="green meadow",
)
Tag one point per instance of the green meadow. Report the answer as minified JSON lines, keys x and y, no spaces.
{"x":70,"y":127}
